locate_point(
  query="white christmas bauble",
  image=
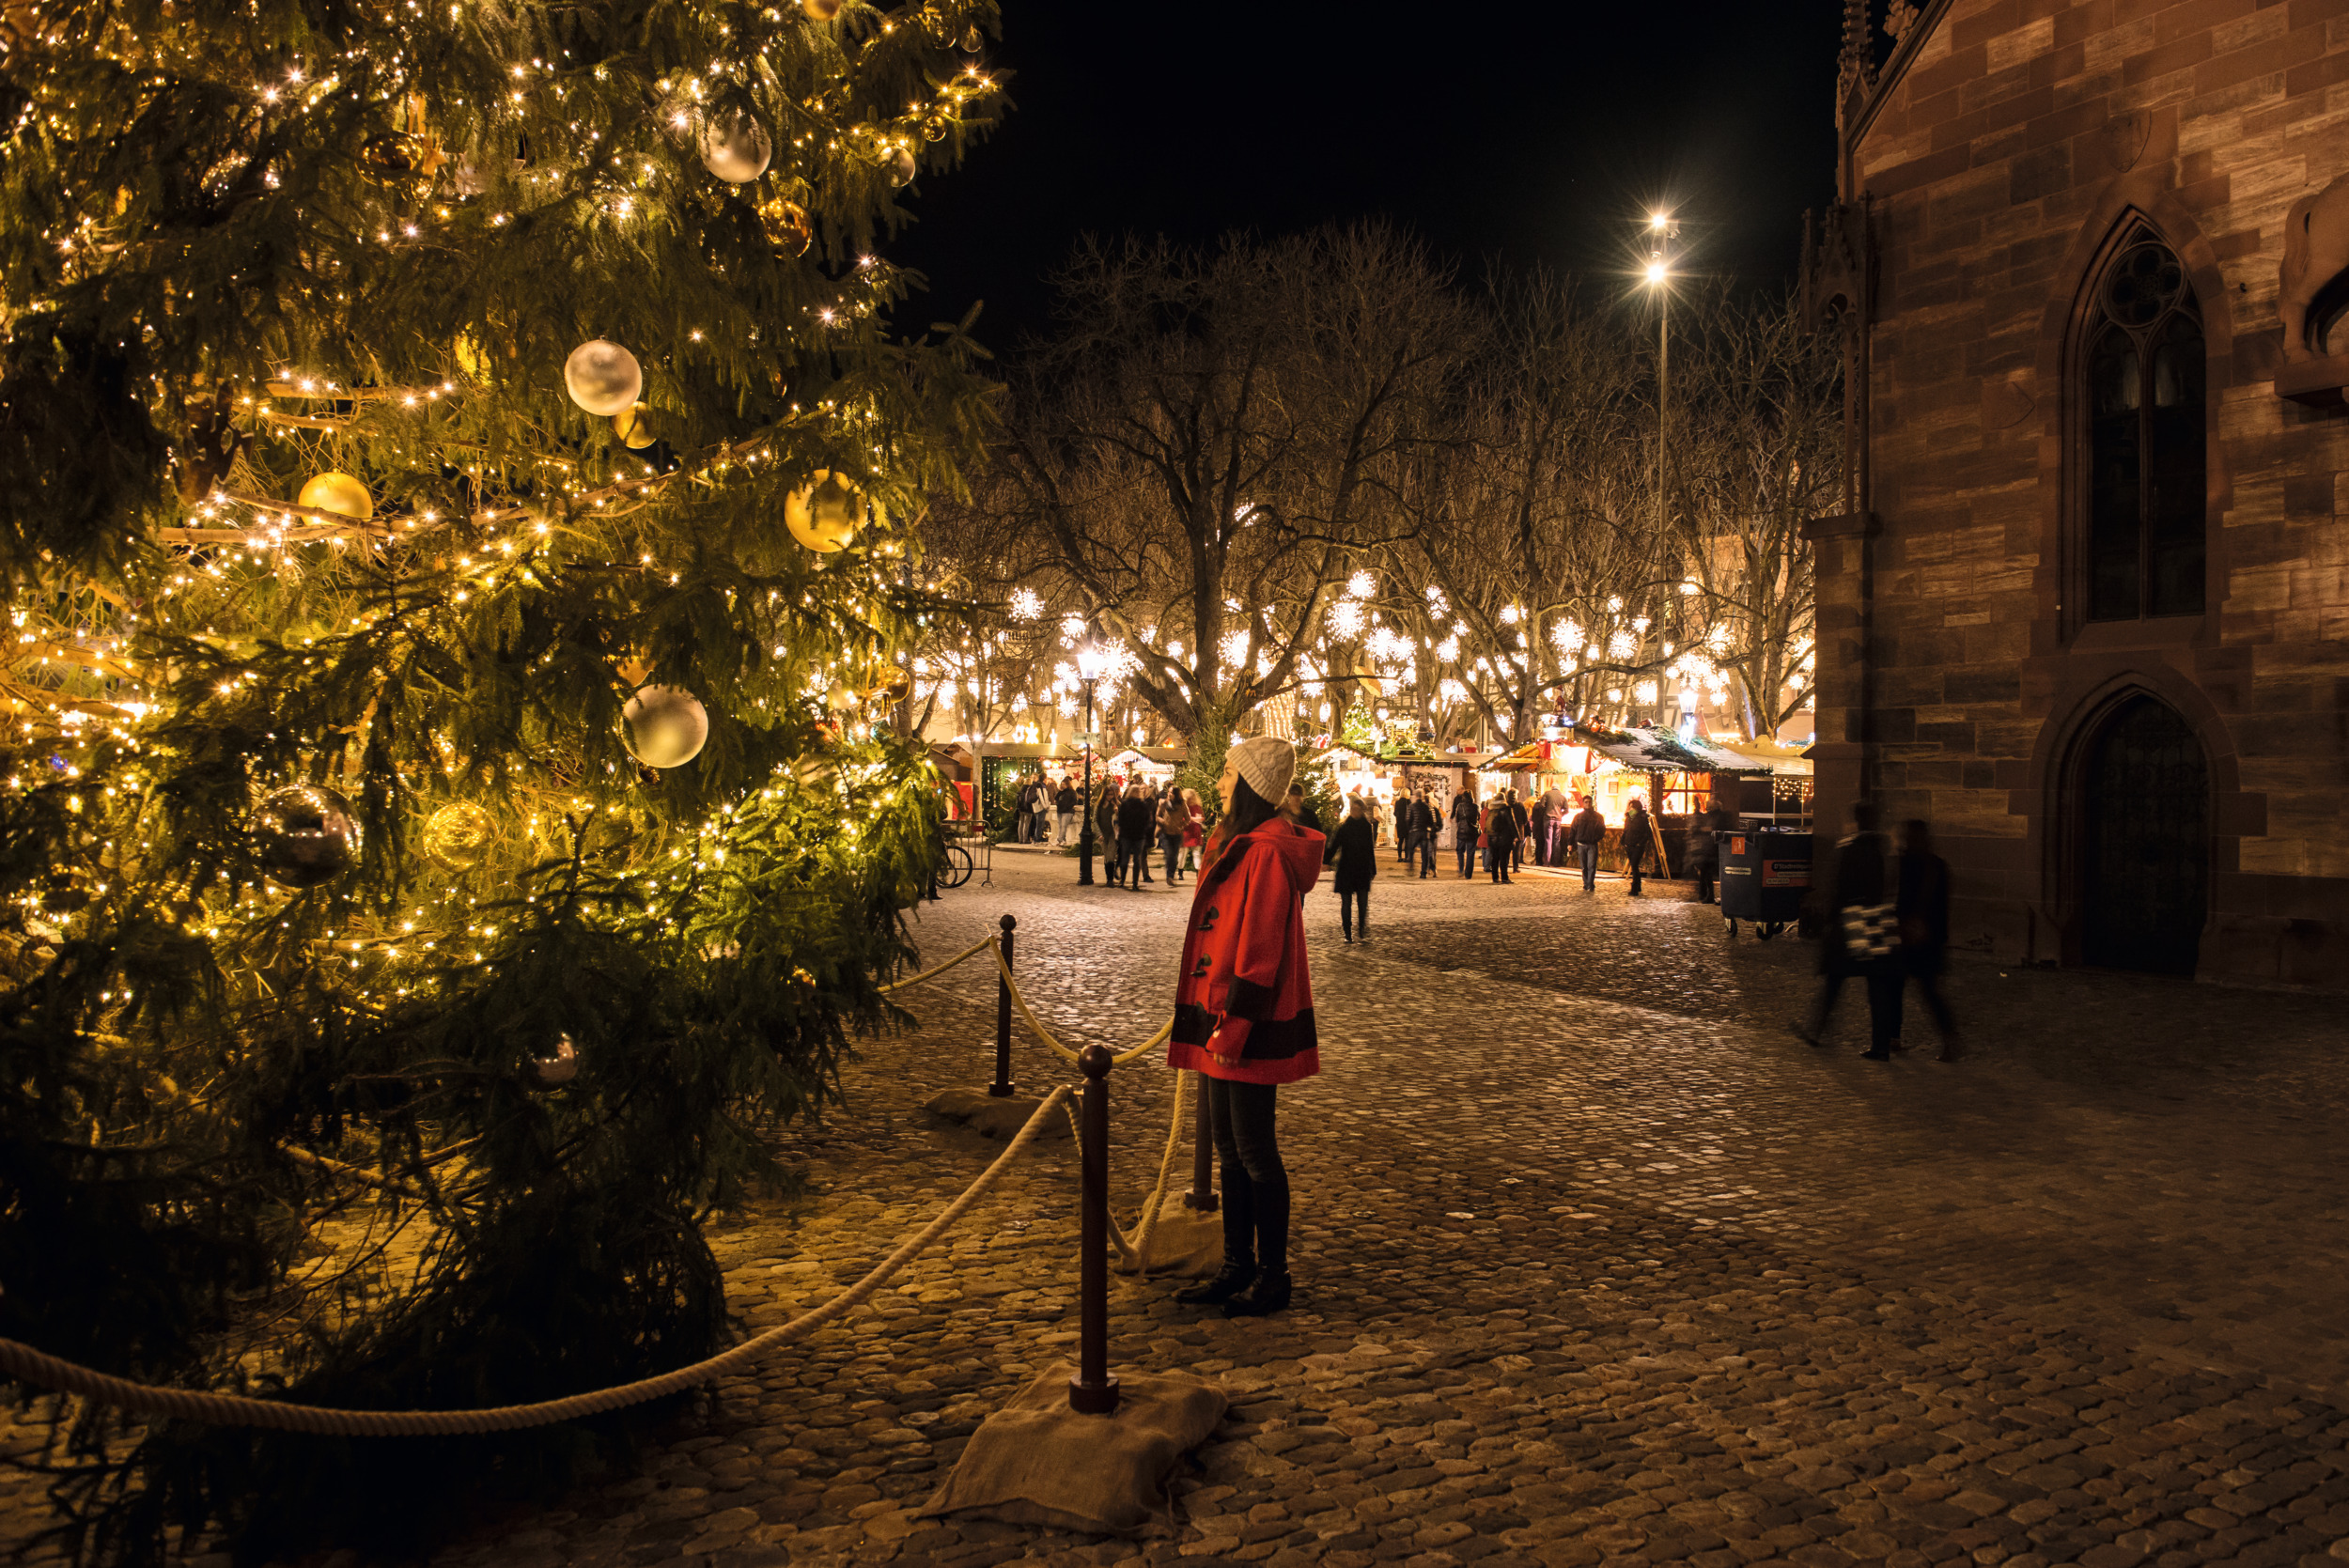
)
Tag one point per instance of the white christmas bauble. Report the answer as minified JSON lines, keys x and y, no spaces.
{"x":603,"y":378}
{"x":664,"y":727}
{"x":735,"y":149}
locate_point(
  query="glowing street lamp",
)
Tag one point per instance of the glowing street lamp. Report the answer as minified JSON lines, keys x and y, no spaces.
{"x":1661,"y":230}
{"x":1092,"y":662}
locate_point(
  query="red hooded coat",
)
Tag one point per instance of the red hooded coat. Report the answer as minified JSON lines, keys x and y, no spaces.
{"x":1243,"y":985}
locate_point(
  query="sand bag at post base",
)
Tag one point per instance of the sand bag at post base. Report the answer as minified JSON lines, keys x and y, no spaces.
{"x":1038,"y":1461}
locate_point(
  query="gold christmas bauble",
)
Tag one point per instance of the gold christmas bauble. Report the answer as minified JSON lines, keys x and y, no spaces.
{"x":736,"y":149}
{"x":821,"y":10}
{"x":900,"y":167}
{"x":338,"y":493}
{"x":602,"y":378}
{"x":664,"y":727}
{"x":826,"y":514}
{"x":302,"y":835}
{"x":892,"y":688}
{"x":787,"y":226}
{"x":634,"y":428}
{"x":458,"y":835}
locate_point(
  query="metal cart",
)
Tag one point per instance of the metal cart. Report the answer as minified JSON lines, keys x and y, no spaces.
{"x":1766,"y":875}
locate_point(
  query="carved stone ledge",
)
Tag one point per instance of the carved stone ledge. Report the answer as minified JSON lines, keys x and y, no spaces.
{"x":2318,"y":383}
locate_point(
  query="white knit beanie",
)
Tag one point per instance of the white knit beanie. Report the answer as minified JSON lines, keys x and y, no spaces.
{"x":1267,"y":765}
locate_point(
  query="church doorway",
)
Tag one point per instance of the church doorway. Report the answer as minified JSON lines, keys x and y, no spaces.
{"x":2145,"y":841}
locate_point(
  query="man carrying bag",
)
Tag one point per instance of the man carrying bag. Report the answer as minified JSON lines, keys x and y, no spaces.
{"x":1861,"y":938}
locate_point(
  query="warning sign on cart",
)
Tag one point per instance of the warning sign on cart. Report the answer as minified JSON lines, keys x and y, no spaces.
{"x":1785,"y":874}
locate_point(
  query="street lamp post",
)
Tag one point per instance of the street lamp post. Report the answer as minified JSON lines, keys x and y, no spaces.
{"x":1660,"y":229}
{"x":1089,"y":666}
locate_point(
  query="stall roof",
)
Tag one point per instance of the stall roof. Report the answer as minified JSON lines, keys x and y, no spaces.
{"x":1165,"y":756}
{"x":1648,"y":749}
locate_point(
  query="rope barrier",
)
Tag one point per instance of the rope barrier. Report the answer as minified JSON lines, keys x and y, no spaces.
{"x":22,"y":1361}
{"x":931,"y":975}
{"x":1021,"y":1002}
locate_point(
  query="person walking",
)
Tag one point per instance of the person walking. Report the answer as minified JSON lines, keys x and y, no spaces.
{"x":1587,"y":832}
{"x":1559,"y":809}
{"x":1064,"y":807}
{"x":1430,"y":825}
{"x":1137,"y":819}
{"x":1464,"y":830}
{"x":1522,"y":825}
{"x":1194,"y":829}
{"x":1354,"y":848}
{"x":1537,"y":828}
{"x":1922,"y":905}
{"x":1244,"y":1014}
{"x":1171,"y":817}
{"x":1500,"y":836}
{"x":1105,"y":826}
{"x":1638,"y":839}
{"x":1859,"y":938}
{"x":1300,"y":810}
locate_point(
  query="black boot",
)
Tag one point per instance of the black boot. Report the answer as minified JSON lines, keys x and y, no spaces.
{"x":1229,"y":1282}
{"x":1267,"y":1292}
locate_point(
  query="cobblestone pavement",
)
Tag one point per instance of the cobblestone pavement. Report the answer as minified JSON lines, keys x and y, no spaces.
{"x":1596,"y":1264}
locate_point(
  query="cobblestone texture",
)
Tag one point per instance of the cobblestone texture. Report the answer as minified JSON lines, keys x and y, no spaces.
{"x":1596,"y":1264}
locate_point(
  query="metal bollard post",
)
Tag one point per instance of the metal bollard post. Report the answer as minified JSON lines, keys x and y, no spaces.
{"x":1201,"y":1198}
{"x":1000,"y":1088}
{"x":1092,"y":1391}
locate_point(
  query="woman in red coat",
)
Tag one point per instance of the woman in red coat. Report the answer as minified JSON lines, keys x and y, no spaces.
{"x":1244,"y":1014}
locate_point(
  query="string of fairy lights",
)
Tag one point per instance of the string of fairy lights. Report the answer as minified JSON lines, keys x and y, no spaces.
{"x":474,"y":484}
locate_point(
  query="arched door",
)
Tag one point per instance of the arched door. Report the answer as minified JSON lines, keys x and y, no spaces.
{"x":2145,"y":841}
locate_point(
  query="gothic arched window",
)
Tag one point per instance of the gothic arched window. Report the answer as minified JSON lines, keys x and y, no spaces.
{"x":2146,"y":422}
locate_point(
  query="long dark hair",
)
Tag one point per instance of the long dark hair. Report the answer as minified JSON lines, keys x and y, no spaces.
{"x":1250,"y":811}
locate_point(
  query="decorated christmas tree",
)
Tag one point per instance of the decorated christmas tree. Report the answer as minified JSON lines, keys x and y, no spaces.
{"x":455,"y":462}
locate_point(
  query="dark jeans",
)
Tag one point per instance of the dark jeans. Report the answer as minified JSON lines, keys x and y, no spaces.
{"x":1705,"y":868}
{"x":1923,"y":965}
{"x":1884,"y":977}
{"x":1586,"y":855}
{"x":1348,"y":903}
{"x":1256,"y":1183}
{"x":1632,"y":858}
{"x":1426,"y":846}
{"x":1466,"y":848}
{"x":1133,"y":860}
{"x":1497,"y":860}
{"x":1171,"y":850}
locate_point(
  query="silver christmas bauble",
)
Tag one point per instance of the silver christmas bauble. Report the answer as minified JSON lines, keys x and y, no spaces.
{"x":603,"y":378}
{"x":664,"y":727}
{"x":735,"y":147}
{"x":561,"y":1067}
{"x":302,"y":835}
{"x":900,"y":168}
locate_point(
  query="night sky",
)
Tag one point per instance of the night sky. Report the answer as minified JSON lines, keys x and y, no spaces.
{"x":1530,"y":131}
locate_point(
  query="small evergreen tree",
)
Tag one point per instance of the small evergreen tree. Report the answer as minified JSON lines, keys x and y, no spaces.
{"x":448,"y":455}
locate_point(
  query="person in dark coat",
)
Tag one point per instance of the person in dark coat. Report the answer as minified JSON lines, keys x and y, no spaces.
{"x":1105,"y":826}
{"x":1922,"y":907}
{"x":1464,"y":832}
{"x":1137,"y":821}
{"x":1584,"y":835}
{"x":1354,"y":849}
{"x":1638,"y":839}
{"x":1537,"y":828}
{"x":1064,"y":807}
{"x":1706,"y":835}
{"x":1523,"y":824}
{"x":1299,"y":809}
{"x":1501,"y":837}
{"x":1856,"y":939}
{"x":1430,"y":827}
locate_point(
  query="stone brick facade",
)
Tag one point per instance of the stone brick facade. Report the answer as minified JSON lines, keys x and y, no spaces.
{"x":1992,"y":163}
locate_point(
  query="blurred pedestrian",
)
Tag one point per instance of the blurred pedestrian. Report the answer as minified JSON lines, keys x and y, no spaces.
{"x":1194,"y":829}
{"x":1638,"y":839}
{"x":1171,"y":816}
{"x":1522,"y":825}
{"x":1064,"y":807}
{"x":1244,"y":1014}
{"x":1464,"y":830}
{"x":1354,"y":848}
{"x":1500,"y":836}
{"x":1588,"y":832}
{"x":1559,"y":809}
{"x":1859,"y":938}
{"x":1105,"y":825}
{"x":1427,"y":825}
{"x":1300,"y":810}
{"x":1137,"y":819}
{"x":1537,"y":828}
{"x":1922,"y":907}
{"x":1707,"y":833}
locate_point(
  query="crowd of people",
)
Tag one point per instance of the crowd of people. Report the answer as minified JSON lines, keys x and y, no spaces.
{"x":1130,"y":820}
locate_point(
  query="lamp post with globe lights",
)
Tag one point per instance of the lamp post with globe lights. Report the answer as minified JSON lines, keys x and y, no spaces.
{"x":1091,"y":664}
{"x":1661,"y":230}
